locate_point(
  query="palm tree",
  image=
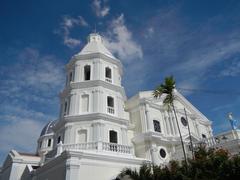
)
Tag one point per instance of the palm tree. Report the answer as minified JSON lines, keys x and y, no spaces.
{"x":144,"y":173}
{"x":168,"y":88}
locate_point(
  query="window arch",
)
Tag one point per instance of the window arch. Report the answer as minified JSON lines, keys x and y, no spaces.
{"x":157,"y":126}
{"x":113,"y":138}
{"x":110,"y":105}
{"x":108,"y":74}
{"x":87,"y":72}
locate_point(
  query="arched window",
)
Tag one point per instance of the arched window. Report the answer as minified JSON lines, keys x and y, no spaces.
{"x":204,"y":136}
{"x":59,"y":139}
{"x":65,"y":108}
{"x":85,"y":103}
{"x":157,"y":127}
{"x":40,"y":144}
{"x":82,"y":136}
{"x":110,"y":105}
{"x":49,"y":142}
{"x":70,"y":77}
{"x":87,"y":72}
{"x":113,"y":136}
{"x":108,"y":74}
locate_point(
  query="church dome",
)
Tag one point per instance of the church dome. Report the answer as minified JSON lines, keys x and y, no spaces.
{"x":48,"y":128}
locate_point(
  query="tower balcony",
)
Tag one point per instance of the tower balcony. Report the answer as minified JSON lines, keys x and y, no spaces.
{"x":110,"y":110}
{"x":99,"y":147}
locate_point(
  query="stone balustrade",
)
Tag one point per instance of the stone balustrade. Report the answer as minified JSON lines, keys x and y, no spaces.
{"x":98,"y":146}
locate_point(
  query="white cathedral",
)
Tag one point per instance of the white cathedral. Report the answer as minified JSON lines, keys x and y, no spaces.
{"x":99,"y":131}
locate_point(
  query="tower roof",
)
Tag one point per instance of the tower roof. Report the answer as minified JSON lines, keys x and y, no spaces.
{"x":48,"y":128}
{"x":95,"y":45}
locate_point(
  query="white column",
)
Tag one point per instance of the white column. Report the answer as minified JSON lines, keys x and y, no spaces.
{"x":77,"y":104}
{"x":102,"y":106}
{"x":77,"y":73}
{"x":67,"y":135}
{"x":115,"y":75}
{"x":95,"y":100}
{"x":164,"y":128}
{"x":174,"y":124}
{"x":149,"y":120}
{"x":72,"y":169}
{"x":142,"y":110}
{"x":197,"y":128}
{"x":124,"y":136}
{"x":94,"y":132}
{"x":98,"y":131}
{"x":119,"y":107}
{"x":101,"y":73}
{"x":167,"y":122}
{"x":72,"y":104}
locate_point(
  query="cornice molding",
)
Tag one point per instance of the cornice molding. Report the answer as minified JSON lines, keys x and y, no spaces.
{"x":89,"y":117}
{"x":91,"y":57}
{"x":92,"y":84}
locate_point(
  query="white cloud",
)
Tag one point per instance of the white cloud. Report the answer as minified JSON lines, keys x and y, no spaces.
{"x":99,"y":8}
{"x":231,"y":70}
{"x":120,"y":41}
{"x":21,"y":134}
{"x":149,"y":32}
{"x":67,"y":25}
{"x":33,"y":78}
{"x":206,"y":57}
{"x":29,"y":98}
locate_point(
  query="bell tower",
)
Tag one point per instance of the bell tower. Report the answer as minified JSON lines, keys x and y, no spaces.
{"x":92,"y":114}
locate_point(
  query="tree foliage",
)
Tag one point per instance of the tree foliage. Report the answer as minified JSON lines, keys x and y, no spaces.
{"x":211,"y":164}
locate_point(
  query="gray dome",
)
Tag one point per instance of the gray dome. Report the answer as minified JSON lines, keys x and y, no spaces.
{"x":48,"y":128}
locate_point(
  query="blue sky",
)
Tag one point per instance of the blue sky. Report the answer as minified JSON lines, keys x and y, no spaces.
{"x":198,"y":42}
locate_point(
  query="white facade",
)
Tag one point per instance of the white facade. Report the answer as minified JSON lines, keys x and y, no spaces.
{"x":99,"y":132}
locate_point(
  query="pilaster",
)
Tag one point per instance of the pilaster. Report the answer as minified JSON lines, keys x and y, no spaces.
{"x":73,"y":168}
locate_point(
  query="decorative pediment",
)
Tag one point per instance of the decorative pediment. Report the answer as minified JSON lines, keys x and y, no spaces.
{"x":193,"y":137}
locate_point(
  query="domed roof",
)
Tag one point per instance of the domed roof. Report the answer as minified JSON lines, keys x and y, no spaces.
{"x":48,"y":128}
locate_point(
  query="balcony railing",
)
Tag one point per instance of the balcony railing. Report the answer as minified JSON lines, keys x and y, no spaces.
{"x":116,"y":148}
{"x":222,"y":140}
{"x":108,"y":80}
{"x":98,"y":146}
{"x":81,"y":146}
{"x":110,"y":110}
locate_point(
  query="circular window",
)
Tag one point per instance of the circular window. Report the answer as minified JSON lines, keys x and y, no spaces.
{"x":184,"y":121}
{"x":162,"y":153}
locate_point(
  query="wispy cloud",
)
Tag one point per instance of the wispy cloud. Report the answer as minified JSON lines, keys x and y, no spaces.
{"x":21,"y":134}
{"x":33,"y":72}
{"x":231,"y":70}
{"x":100,"y":8}
{"x":28,"y":98}
{"x":120,"y":41}
{"x":68,"y":23}
{"x":149,"y":32}
{"x":186,"y":50}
